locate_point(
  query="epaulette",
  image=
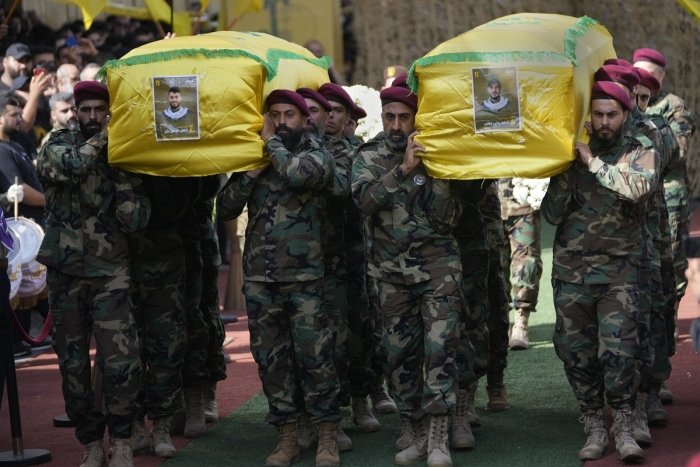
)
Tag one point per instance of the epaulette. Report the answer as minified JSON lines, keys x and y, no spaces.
{"x":643,"y":141}
{"x":369,"y":145}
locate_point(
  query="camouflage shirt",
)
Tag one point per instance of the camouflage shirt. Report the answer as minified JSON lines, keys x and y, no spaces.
{"x":90,"y":207}
{"x":509,"y":205}
{"x":410,"y":223}
{"x":598,"y":211}
{"x":337,"y":195}
{"x":471,"y":228}
{"x":683,"y":120}
{"x":490,"y":208}
{"x":283,"y":237}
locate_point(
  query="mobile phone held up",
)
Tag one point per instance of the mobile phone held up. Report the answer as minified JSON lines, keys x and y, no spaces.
{"x":71,"y":42}
{"x":39,"y":71}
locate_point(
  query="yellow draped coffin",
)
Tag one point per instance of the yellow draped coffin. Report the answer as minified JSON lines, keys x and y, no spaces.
{"x":543,"y":65}
{"x":220,"y":81}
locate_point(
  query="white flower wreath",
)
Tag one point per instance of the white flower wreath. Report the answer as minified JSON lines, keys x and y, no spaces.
{"x":368,"y":99}
{"x":530,"y":190}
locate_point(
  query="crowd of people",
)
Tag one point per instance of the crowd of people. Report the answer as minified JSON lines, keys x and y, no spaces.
{"x":368,"y":283}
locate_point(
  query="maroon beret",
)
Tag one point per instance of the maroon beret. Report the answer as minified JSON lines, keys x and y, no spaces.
{"x":649,"y":55}
{"x":610,"y":90}
{"x":617,"y":61}
{"x":84,"y":90}
{"x":336,"y":93}
{"x":626,"y":76}
{"x":357,"y":113}
{"x":648,"y":80}
{"x":399,"y":92}
{"x":284,"y":96}
{"x":309,"y":93}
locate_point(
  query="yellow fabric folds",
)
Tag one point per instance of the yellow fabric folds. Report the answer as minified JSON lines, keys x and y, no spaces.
{"x":223,"y":79}
{"x":543,"y":65}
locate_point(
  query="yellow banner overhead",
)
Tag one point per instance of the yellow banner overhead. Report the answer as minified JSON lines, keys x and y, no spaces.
{"x":508,"y":98}
{"x":192,"y":106}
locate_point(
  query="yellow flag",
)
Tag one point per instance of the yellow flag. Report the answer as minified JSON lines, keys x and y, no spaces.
{"x":90,"y":9}
{"x":232,"y":10}
{"x":160,"y":11}
{"x":693,"y":6}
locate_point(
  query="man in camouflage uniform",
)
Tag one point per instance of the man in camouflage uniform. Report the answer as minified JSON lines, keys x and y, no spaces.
{"x":283,"y":276}
{"x":598,"y":208}
{"x":91,"y":206}
{"x":522,"y":259}
{"x":157,"y":265}
{"x":415,"y":259}
{"x":683,"y":122}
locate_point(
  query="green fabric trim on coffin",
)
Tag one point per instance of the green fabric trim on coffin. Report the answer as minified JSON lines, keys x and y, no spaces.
{"x":574,"y":33}
{"x":482,"y":57}
{"x":270,"y":63}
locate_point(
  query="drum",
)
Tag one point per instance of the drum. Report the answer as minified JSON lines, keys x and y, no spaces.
{"x":14,"y":272}
{"x":32,"y":288}
{"x":13,"y":254}
{"x":30,"y":237}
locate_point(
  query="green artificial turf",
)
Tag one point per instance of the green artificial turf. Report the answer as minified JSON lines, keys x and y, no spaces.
{"x":540,"y":429}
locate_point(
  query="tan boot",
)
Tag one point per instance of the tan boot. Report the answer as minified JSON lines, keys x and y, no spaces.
{"x":287,"y":449}
{"x":519,"y":339}
{"x":94,"y":455}
{"x":656,"y":414}
{"x":438,"y":442}
{"x":163,"y":446}
{"x":496,"y":391}
{"x":140,"y":440}
{"x":462,"y":436}
{"x":418,"y":449}
{"x":344,"y":441}
{"x":627,"y":448}
{"x":306,"y":432}
{"x":362,"y":415}
{"x":665,"y":395}
{"x":211,"y":408}
{"x":641,"y":433}
{"x":405,"y":438}
{"x":327,"y":454}
{"x":472,"y":415}
{"x":597,"y":441}
{"x":121,"y":454}
{"x":195,"y":425}
{"x":381,"y":400}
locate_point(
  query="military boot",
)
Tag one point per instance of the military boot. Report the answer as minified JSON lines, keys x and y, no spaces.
{"x":140,"y":440}
{"x":306,"y":432}
{"x":665,"y":395}
{"x":163,"y":446}
{"x":362,"y":415}
{"x":628,"y":450}
{"x":597,"y":441}
{"x":462,"y":436}
{"x":519,"y":339}
{"x":121,"y":454}
{"x":656,"y":414}
{"x":94,"y":455}
{"x":381,"y":400}
{"x":327,"y":454}
{"x":418,"y":449}
{"x":438,"y":442}
{"x":287,"y":449}
{"x":405,"y":438}
{"x":344,"y":441}
{"x":496,"y":391}
{"x":211,"y":408}
{"x":195,"y":426}
{"x":641,"y":433}
{"x":472,"y":415}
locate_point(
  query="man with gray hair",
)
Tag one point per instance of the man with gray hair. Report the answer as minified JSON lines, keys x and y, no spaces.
{"x":67,"y":76}
{"x":63,"y":114}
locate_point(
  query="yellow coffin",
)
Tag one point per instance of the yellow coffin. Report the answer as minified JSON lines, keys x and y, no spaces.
{"x":542,"y":65}
{"x":220,"y":81}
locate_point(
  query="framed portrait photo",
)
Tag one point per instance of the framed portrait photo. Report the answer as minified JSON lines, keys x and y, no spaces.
{"x":496,"y":99}
{"x":176,"y":107}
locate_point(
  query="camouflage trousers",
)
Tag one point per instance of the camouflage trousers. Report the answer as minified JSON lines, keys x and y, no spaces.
{"x":85,"y":307}
{"x":654,"y":357}
{"x":209,"y":307}
{"x":195,"y":371}
{"x":473,"y":351}
{"x":290,"y":338}
{"x":362,"y":326}
{"x":335,"y":305}
{"x":420,"y":337}
{"x":522,"y":259}
{"x":676,"y":193}
{"x":497,"y":322}
{"x":158,"y":268}
{"x":595,"y":336}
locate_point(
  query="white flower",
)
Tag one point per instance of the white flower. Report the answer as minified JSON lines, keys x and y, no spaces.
{"x":530,"y":191}
{"x":368,"y":99}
